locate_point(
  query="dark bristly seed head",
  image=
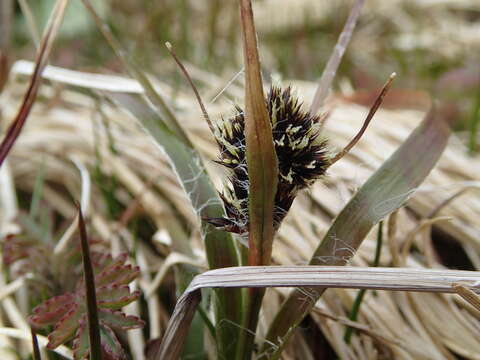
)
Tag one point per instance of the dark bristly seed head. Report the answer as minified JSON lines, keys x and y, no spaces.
{"x":302,"y":157}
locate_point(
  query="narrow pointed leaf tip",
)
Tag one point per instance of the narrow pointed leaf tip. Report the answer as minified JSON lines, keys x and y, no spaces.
{"x":30,"y":96}
{"x":369,"y":118}
{"x":260,"y":152}
{"x":91,"y":297}
{"x":333,"y":63}
{"x":262,"y":168}
{"x":192,"y":85}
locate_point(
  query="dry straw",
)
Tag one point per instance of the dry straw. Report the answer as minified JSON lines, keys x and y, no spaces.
{"x":400,"y":325}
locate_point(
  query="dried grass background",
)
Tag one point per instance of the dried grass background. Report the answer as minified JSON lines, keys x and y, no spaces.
{"x":67,"y":126}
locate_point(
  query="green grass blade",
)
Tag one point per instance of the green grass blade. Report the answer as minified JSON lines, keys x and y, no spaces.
{"x":192,"y":175}
{"x":353,"y":315}
{"x":386,"y":190}
{"x":188,"y":165}
{"x":91,"y":296}
{"x":474,"y":124}
{"x":37,"y":192}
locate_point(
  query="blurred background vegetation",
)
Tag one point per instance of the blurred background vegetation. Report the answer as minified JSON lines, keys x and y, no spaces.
{"x":432,"y":45}
{"x":420,"y":40}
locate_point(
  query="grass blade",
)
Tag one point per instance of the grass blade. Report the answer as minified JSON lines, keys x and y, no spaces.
{"x":260,"y":151}
{"x":334,"y":61}
{"x":192,"y":175}
{"x":188,"y":165}
{"x":6,"y":19}
{"x":262,"y":175}
{"x":353,"y":315}
{"x":394,"y":279}
{"x":386,"y":190}
{"x":92,"y":311}
{"x":31,"y":94}
{"x":36,"y":349}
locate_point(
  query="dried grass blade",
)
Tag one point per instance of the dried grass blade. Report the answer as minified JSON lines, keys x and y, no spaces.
{"x":467,"y":294}
{"x":31,"y":94}
{"x":371,"y":113}
{"x":386,"y":190}
{"x":91,"y":296}
{"x":395,"y":279}
{"x":83,"y":79}
{"x":192,"y":85}
{"x":334,"y":61}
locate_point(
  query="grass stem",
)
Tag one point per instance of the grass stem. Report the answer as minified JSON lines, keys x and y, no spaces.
{"x":361,"y":294}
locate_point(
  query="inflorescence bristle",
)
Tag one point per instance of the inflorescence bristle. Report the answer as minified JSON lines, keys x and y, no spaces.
{"x":302,"y":155}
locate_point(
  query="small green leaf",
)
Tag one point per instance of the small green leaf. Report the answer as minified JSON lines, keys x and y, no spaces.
{"x":105,"y":261}
{"x":52,"y":310}
{"x":118,"y":320}
{"x":115,"y":296}
{"x":110,"y":344}
{"x":81,"y":347}
{"x":65,"y":328}
{"x":118,"y":274}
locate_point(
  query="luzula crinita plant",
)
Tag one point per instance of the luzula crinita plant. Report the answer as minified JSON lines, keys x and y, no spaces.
{"x":68,"y":312}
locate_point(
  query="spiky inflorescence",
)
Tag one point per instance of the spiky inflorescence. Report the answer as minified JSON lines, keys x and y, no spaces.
{"x":302,"y":157}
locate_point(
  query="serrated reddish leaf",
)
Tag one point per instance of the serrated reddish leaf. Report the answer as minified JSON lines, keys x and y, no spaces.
{"x":118,"y":320}
{"x":119,"y":274}
{"x":15,"y":248}
{"x":52,"y":310}
{"x":65,"y":328}
{"x":110,"y":262}
{"x":110,"y":344}
{"x":100,"y":260}
{"x":81,"y":344}
{"x":115,"y":296}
